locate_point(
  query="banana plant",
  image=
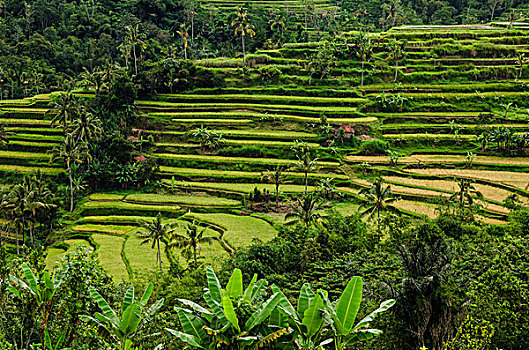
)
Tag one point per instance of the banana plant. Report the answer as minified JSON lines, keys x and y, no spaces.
{"x":42,"y":289}
{"x":318,"y":321}
{"x":58,"y":342}
{"x":122,"y":328}
{"x":236,"y":317}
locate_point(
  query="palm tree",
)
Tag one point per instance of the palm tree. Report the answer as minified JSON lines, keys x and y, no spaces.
{"x":70,"y":152}
{"x":86,"y":127}
{"x":278,"y":23}
{"x":395,"y":53}
{"x":364,"y":51}
{"x":305,"y":209}
{"x":277,"y":177}
{"x":184,"y":34}
{"x":394,"y":11}
{"x":64,"y":108}
{"x":133,"y":39}
{"x":306,"y":164}
{"x":190,"y":241}
{"x":92,"y":79}
{"x":242,"y":25}
{"x":377,"y":198}
{"x":155,"y":232}
{"x":4,"y":136}
{"x":465,"y":193}
{"x":470,"y":159}
{"x":521,"y":60}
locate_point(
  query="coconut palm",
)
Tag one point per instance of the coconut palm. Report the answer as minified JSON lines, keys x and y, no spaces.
{"x":306,"y":164}
{"x":156,"y":232}
{"x":4,"y":136}
{"x":190,"y":241}
{"x":305,"y":209}
{"x":277,"y":177}
{"x":364,"y":51}
{"x":278,"y":23}
{"x":521,"y":60}
{"x":134,"y":39}
{"x":92,"y":79}
{"x":465,"y":193}
{"x":242,"y":25}
{"x":64,"y":108}
{"x":86,"y":127}
{"x":378,"y":197}
{"x":183,"y":33}
{"x":71,"y":151}
{"x":396,"y":52}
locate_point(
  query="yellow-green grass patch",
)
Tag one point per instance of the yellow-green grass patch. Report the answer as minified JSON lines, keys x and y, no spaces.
{"x":516,"y":179}
{"x":489,"y":192}
{"x":106,"y":197}
{"x":130,"y":220}
{"x":240,"y":174}
{"x":11,"y":121}
{"x":238,"y":160}
{"x":24,"y":155}
{"x":240,"y":230}
{"x":152,"y":198}
{"x":213,"y":121}
{"x":441,"y":159}
{"x":107,"y":229}
{"x":127,"y":206}
{"x":55,"y":254}
{"x":241,"y":187}
{"x":419,"y":208}
{"x":109,"y":255}
{"x":30,"y":169}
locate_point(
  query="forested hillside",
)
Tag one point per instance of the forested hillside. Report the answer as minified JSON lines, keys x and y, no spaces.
{"x":268,"y":174}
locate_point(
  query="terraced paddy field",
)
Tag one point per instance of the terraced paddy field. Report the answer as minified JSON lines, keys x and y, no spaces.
{"x":453,"y":86}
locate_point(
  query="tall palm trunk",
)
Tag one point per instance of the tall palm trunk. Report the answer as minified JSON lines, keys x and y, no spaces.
{"x":277,"y":194}
{"x":306,"y":181}
{"x":362,"y":82}
{"x":135,"y":59}
{"x":71,"y":189}
{"x":158,"y":256}
{"x":396,"y":70}
{"x":243,"y":50}
{"x":18,"y":230}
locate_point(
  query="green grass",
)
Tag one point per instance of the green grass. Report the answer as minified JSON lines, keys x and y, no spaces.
{"x":109,"y":255}
{"x":240,"y":230}
{"x":213,"y":121}
{"x":30,"y":169}
{"x":265,"y":98}
{"x":264,"y":143}
{"x":106,"y":229}
{"x":239,"y":160}
{"x":24,"y":155}
{"x":272,"y":108}
{"x":11,"y":122}
{"x":241,"y":187}
{"x":211,"y":116}
{"x":193,"y":172}
{"x":55,"y":254}
{"x":141,"y":257}
{"x":130,"y":220}
{"x":128,"y":206}
{"x":194,"y":200}
{"x":106,"y":197}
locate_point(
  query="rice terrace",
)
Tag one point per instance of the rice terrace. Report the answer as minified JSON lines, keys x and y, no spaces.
{"x":267,"y":174}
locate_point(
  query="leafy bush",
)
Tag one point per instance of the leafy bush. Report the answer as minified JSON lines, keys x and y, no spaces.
{"x":374,"y":147}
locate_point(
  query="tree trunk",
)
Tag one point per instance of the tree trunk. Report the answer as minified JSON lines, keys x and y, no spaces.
{"x":135,"y":59}
{"x":243,"y":51}
{"x":277,"y":195}
{"x":362,"y":81}
{"x":159,"y":257}
{"x":71,"y":189}
{"x":185,"y":51}
{"x":396,"y":70}
{"x":18,"y":230}
{"x":192,"y":28}
{"x":306,"y":181}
